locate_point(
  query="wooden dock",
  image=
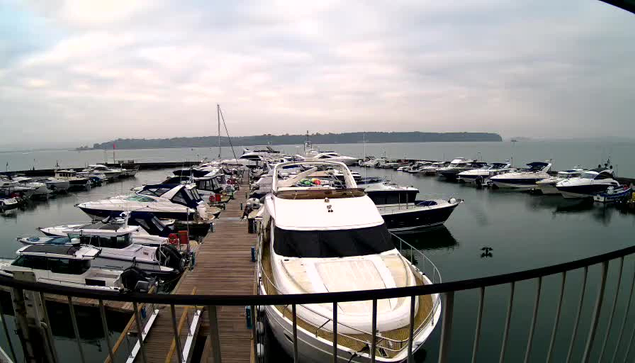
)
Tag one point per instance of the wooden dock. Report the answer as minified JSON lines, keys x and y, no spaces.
{"x":223,"y":266}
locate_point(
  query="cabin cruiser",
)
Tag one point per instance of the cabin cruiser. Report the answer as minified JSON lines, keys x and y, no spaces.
{"x":588,"y":184}
{"x":418,"y":166}
{"x":318,"y":235}
{"x":548,"y":186}
{"x":329,"y":156}
{"x":458,"y":165}
{"x":403,"y":212}
{"x":40,"y":191}
{"x":76,"y":182}
{"x":525,"y":179}
{"x":430,"y":170}
{"x":110,"y":173}
{"x":482,"y":175}
{"x":118,"y":251}
{"x":149,"y":230}
{"x":180,"y":202}
{"x":56,"y":185}
{"x":70,"y":266}
{"x":206,"y":185}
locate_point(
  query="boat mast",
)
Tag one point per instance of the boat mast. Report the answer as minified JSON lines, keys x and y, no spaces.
{"x":218,"y":118}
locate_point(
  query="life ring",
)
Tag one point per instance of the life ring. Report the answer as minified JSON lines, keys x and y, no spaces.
{"x":173,"y":239}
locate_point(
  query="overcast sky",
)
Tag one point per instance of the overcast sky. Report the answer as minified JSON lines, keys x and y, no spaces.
{"x":77,"y":71}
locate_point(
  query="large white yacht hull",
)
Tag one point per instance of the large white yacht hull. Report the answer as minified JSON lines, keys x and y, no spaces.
{"x":317,"y":350}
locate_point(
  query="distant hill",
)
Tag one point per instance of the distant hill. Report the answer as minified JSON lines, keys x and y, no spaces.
{"x":317,"y":138}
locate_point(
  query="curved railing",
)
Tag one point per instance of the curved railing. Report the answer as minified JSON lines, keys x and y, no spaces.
{"x":447,"y":289}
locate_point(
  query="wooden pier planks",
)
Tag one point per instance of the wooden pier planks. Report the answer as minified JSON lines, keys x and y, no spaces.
{"x":223,"y":266}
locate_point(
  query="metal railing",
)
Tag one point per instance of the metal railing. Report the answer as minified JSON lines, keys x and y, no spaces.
{"x":449,"y":290}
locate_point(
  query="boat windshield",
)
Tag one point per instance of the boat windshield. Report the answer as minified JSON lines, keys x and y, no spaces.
{"x":139,"y":198}
{"x":588,"y":175}
{"x":338,"y":243}
{"x":118,"y":242}
{"x":56,"y":265}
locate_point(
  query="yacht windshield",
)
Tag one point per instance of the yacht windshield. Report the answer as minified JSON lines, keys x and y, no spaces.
{"x":139,"y":198}
{"x":339,"y":243}
{"x":588,"y":175}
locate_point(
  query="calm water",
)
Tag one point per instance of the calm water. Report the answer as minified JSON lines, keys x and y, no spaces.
{"x":525,"y":231}
{"x":565,"y":154}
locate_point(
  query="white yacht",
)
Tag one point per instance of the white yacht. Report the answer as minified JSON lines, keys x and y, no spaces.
{"x":118,"y":251}
{"x":12,"y":188}
{"x":548,"y":186}
{"x":319,"y":234}
{"x":588,"y":184}
{"x":180,"y":202}
{"x":148,"y":229}
{"x":65,"y":266}
{"x":432,"y":169}
{"x":482,"y":175}
{"x":56,"y":185}
{"x":523,"y":179}
{"x":40,"y":190}
{"x":456,"y":166}
{"x":76,"y":182}
{"x":110,"y":173}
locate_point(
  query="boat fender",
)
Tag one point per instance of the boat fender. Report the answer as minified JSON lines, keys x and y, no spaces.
{"x":452,"y":200}
{"x":173,"y":239}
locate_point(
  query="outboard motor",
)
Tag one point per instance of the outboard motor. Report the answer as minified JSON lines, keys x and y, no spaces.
{"x":170,"y":257}
{"x":131,"y":276}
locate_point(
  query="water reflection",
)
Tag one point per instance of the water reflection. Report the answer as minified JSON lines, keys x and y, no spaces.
{"x":431,"y":239}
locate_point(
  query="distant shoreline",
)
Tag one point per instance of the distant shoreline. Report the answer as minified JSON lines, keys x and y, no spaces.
{"x":317,"y":138}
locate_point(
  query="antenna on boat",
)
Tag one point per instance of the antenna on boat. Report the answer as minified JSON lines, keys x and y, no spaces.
{"x":218,"y":119}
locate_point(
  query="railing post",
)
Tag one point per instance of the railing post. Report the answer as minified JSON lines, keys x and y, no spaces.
{"x":577,"y":319}
{"x":140,"y":332}
{"x":334,"y":332}
{"x":254,"y":324}
{"x":411,"y":327}
{"x":295,"y":334}
{"x":596,"y":314}
{"x":6,"y":333}
{"x":533,"y":320}
{"x":628,"y":308}
{"x":479,"y":316}
{"x":446,"y":327}
{"x":177,"y":337}
{"x":75,"y":328}
{"x":554,"y":332}
{"x":214,"y":335}
{"x":373,"y":348}
{"x":612,"y":314}
{"x":507,"y":322}
{"x":47,"y":329}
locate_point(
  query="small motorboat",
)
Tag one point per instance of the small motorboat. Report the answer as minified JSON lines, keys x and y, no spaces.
{"x":72,"y":266}
{"x":457,"y":166}
{"x":482,"y":175}
{"x":56,"y":185}
{"x":613,"y":194}
{"x":7,"y":203}
{"x":523,"y":179}
{"x":588,"y":184}
{"x":118,"y":251}
{"x":40,"y":191}
{"x":548,"y":186}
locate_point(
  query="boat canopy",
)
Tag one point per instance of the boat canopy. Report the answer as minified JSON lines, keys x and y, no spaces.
{"x":181,"y":194}
{"x":327,"y":244}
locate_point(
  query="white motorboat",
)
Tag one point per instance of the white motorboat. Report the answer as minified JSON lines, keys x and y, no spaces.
{"x":110,"y":173}
{"x":524,"y":179}
{"x":181,"y":202}
{"x":69,"y":266}
{"x":76,"y":182}
{"x":482,"y":175}
{"x":11,"y":188}
{"x":57,"y":185}
{"x":613,"y":195}
{"x":330,"y":156}
{"x":320,"y":234}
{"x":40,"y":191}
{"x":430,"y":170}
{"x":149,"y":230}
{"x":7,"y":203}
{"x":548,"y":186}
{"x":457,"y":166}
{"x":118,"y":252}
{"x":588,"y":184}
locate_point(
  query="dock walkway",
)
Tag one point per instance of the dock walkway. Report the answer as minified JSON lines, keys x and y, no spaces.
{"x":223,"y":266}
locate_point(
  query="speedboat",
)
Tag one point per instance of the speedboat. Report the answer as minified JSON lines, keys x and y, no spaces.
{"x":71,"y":266}
{"x":56,"y":185}
{"x":456,"y":166}
{"x":401,"y":210}
{"x":323,"y":235}
{"x":180,"y":202}
{"x":76,"y":182}
{"x":418,"y":166}
{"x":588,"y":184}
{"x":430,"y":170}
{"x":524,"y":179}
{"x":548,"y":186}
{"x":110,"y":173}
{"x":329,"y":156}
{"x":149,"y":230}
{"x":40,"y":191}
{"x":482,"y":175}
{"x":7,"y":203}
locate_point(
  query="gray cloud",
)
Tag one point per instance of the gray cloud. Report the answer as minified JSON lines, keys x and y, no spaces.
{"x":73,"y":71}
